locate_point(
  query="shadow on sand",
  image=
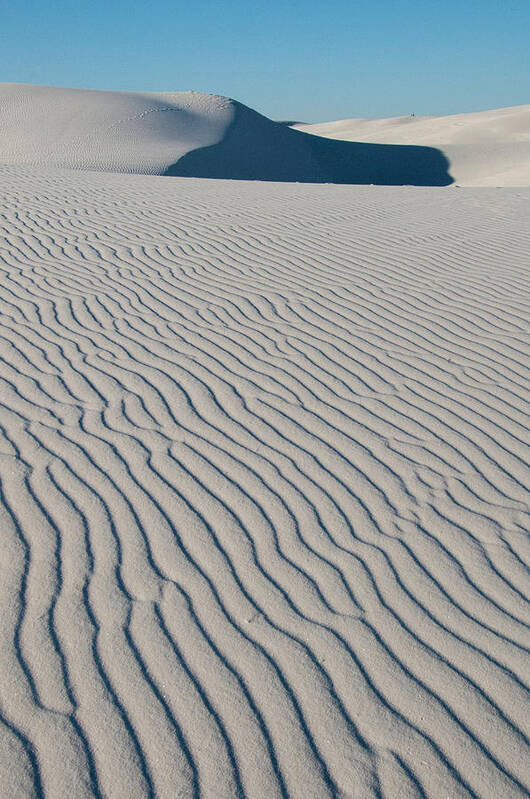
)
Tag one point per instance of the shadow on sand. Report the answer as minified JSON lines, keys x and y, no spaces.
{"x":256,"y":148}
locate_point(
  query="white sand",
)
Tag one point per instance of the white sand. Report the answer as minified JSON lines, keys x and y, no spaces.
{"x":263,"y":489}
{"x":107,"y":131}
{"x":487,"y":148}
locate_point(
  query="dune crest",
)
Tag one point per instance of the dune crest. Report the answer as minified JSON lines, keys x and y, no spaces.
{"x":104,"y":131}
{"x":189,"y":134}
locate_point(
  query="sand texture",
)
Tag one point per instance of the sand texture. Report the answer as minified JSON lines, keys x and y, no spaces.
{"x":264,"y":503}
{"x":486,"y":148}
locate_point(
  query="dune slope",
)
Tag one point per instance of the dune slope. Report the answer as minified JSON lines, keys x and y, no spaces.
{"x":255,"y":148}
{"x":263,"y":489}
{"x":486,"y":148}
{"x":193,"y":135}
{"x":106,"y":131}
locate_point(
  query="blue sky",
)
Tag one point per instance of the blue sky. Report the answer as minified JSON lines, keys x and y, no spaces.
{"x":309,"y":61}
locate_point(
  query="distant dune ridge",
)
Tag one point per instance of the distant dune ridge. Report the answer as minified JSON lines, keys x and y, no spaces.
{"x":189,"y":134}
{"x":193,"y":135}
{"x":200,"y":135}
{"x":486,"y":148}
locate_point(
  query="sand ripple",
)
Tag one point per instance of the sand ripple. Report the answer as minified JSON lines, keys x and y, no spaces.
{"x":263,"y":489}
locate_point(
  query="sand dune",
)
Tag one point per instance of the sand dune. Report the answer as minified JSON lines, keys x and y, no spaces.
{"x":192,"y":135}
{"x":487,"y":148}
{"x":263,"y":489}
{"x":189,"y":134}
{"x":106,"y":131}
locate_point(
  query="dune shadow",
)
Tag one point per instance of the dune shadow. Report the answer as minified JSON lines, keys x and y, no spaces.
{"x":256,"y":148}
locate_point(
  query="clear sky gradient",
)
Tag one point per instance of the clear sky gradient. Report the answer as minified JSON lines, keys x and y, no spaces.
{"x":304,"y":60}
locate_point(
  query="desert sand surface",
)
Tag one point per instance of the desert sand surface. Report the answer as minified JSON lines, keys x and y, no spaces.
{"x":485,"y":148}
{"x":264,"y":484}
